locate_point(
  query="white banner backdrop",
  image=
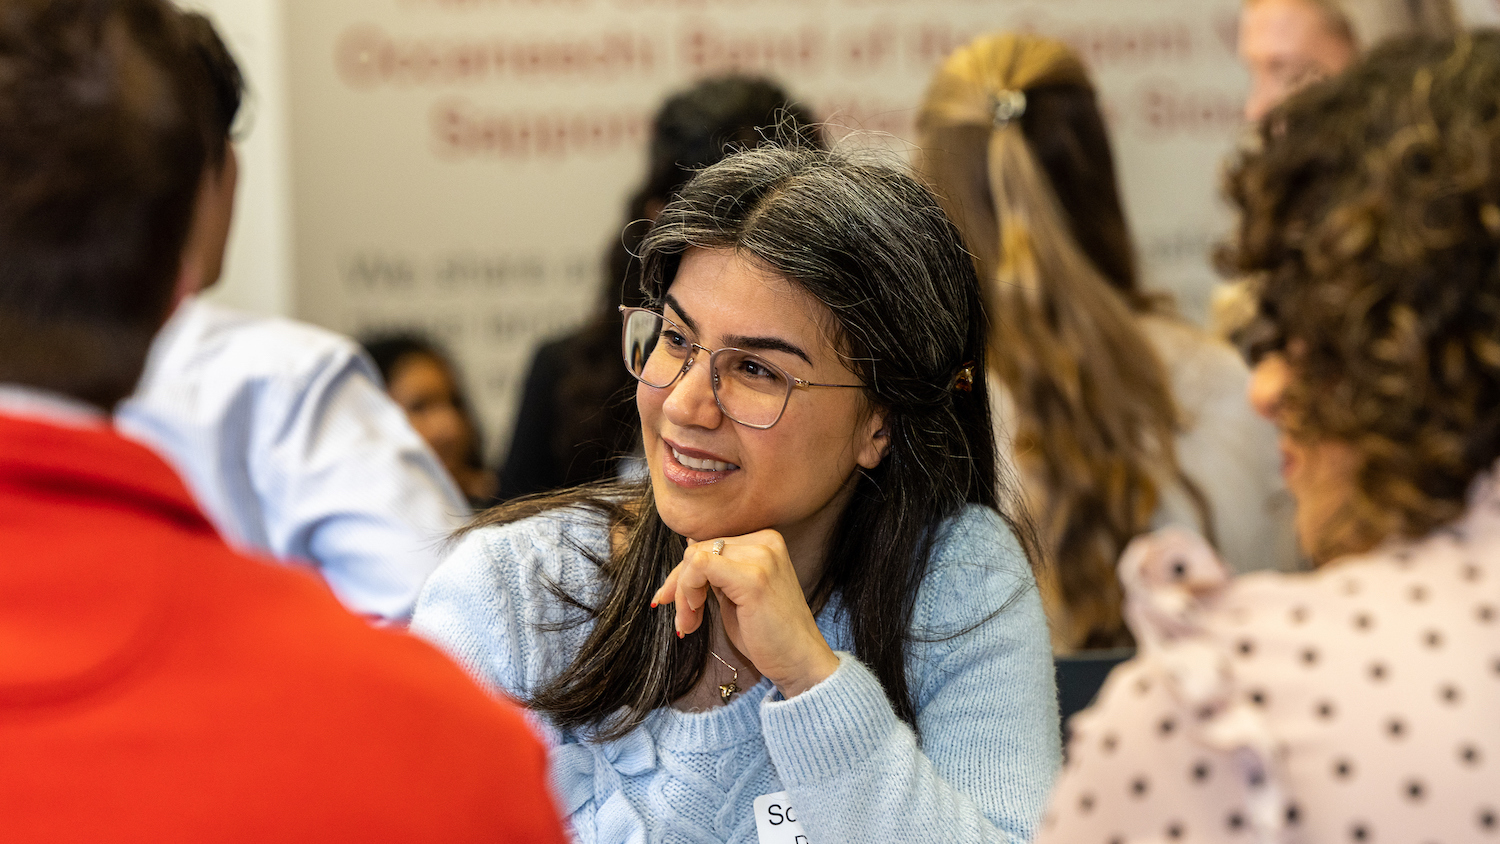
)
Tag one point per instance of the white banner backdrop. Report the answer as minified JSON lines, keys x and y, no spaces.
{"x":460,"y":166}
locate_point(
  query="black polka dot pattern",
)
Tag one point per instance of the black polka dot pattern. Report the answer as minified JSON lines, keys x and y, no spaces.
{"x":1201,"y":771}
{"x":1370,"y":690}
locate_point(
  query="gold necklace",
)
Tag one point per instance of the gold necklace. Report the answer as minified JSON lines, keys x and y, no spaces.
{"x":728,"y":689}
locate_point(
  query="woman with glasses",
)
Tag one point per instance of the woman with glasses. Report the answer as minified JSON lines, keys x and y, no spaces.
{"x":812,"y":620}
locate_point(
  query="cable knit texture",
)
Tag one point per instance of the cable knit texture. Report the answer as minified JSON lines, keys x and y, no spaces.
{"x":981,"y":670}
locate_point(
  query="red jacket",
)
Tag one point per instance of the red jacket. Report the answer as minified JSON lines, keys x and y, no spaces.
{"x":157,"y":686}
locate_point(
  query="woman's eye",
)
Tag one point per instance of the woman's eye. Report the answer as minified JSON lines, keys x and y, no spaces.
{"x":674,"y":339}
{"x":756,"y":370}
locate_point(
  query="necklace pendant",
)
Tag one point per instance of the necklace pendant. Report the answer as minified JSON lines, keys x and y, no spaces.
{"x":726,"y":690}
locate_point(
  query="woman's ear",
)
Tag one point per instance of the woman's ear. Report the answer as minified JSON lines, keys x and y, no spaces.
{"x":876,"y":439}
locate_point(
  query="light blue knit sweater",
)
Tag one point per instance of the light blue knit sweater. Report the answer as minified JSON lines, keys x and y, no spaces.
{"x":853,"y":771}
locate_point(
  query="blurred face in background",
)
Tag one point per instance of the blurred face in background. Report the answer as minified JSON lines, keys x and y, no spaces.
{"x":424,"y":387}
{"x":1286,"y":44}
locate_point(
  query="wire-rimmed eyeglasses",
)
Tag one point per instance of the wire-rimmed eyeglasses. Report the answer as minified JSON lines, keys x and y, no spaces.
{"x":748,"y":388}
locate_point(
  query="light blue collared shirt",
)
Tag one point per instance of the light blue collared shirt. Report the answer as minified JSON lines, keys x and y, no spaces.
{"x":284,"y":435}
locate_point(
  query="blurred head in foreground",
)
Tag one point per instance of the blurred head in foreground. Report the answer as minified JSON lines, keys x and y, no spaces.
{"x":1370,"y":220}
{"x":107,"y":133}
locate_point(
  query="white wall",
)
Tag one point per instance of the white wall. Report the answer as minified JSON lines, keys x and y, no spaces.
{"x":1480,"y":12}
{"x":461,"y":165}
{"x":258,"y":272}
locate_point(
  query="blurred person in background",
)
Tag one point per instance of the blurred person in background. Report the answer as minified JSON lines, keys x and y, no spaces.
{"x":1356,"y":702}
{"x":1117,"y":415}
{"x":575,"y":422}
{"x":156,"y":685}
{"x":422,"y":380}
{"x":281,"y":428}
{"x":1286,"y":44}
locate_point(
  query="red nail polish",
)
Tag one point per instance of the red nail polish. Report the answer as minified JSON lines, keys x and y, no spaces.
{"x":653,"y":605}
{"x":679,"y":634}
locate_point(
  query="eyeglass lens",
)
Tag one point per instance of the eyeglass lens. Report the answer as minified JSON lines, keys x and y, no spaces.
{"x":749,"y":389}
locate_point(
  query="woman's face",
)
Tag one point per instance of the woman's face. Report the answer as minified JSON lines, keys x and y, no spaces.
{"x":1320,"y":474}
{"x":714,"y":477}
{"x":424,"y":388}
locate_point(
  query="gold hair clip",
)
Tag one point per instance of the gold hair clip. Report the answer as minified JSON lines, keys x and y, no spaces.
{"x":963,"y":381}
{"x":1006,"y":106}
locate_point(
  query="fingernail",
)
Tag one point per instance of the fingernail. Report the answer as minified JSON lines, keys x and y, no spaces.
{"x":653,"y":605}
{"x":679,"y":634}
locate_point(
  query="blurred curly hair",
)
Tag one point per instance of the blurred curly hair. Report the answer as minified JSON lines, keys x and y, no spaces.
{"x":1370,"y":216}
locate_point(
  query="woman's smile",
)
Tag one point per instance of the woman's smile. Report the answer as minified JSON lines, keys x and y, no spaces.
{"x":690,"y":467}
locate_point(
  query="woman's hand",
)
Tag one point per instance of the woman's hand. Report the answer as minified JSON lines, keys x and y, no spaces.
{"x":761,"y":603}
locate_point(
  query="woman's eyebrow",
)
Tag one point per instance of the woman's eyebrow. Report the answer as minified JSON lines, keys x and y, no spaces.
{"x":741,"y":341}
{"x":766,"y":344}
{"x":681,"y":314}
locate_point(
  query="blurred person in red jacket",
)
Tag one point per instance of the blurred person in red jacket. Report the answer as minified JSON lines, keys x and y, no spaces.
{"x":155,"y":684}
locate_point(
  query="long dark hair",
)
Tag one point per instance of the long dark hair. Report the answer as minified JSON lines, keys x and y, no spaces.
{"x":869,"y":242}
{"x":593,"y":408}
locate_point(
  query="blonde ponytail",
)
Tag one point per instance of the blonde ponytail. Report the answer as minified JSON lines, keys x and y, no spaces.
{"x":1095,"y":418}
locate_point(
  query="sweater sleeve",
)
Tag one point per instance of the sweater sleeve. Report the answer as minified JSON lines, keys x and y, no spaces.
{"x":981,"y":670}
{"x":466,"y":609}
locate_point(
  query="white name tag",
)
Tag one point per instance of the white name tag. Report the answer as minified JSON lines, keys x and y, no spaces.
{"x":776,"y":820}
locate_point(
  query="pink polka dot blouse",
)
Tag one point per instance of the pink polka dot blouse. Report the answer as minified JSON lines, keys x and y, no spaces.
{"x":1358,"y":703}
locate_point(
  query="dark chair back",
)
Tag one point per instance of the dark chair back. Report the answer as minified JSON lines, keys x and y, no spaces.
{"x":1080,"y":675}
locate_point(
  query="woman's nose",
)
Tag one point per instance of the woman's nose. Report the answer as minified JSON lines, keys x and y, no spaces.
{"x":1268,"y":381}
{"x":691,"y":402}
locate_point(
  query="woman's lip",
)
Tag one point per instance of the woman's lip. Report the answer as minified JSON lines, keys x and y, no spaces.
{"x":695,"y":453}
{"x":686,"y":476}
